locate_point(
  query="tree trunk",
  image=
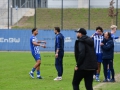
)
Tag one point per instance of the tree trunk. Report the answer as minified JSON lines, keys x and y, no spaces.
{"x":112,"y":21}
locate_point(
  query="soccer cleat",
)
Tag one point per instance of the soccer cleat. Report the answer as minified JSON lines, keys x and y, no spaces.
{"x":97,"y":79}
{"x":112,"y":80}
{"x":40,"y":77}
{"x":58,"y":79}
{"x":108,"y":79}
{"x":31,"y":75}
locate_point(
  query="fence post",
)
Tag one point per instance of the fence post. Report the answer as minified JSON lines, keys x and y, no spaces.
{"x":35,"y":14}
{"x":8,"y":14}
{"x":11,"y":14}
{"x":89,"y":16}
{"x":62,"y":15}
{"x":117,"y":13}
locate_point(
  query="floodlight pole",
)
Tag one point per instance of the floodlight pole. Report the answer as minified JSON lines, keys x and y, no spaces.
{"x":62,"y":15}
{"x":116,"y":12}
{"x":35,"y":14}
{"x":89,"y":16}
{"x":11,"y":15}
{"x":8,"y":14}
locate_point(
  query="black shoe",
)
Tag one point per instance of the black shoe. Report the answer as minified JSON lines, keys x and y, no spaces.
{"x":105,"y":80}
{"x":112,"y":80}
{"x":40,"y":77}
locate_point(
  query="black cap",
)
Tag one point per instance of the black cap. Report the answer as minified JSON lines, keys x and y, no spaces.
{"x":82,"y":31}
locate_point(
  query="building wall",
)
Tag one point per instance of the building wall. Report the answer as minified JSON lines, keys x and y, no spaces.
{"x":67,"y":3}
{"x":3,"y":4}
{"x":102,"y":3}
{"x":81,"y":3}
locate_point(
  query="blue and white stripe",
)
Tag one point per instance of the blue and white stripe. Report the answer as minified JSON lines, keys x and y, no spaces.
{"x":97,"y":40}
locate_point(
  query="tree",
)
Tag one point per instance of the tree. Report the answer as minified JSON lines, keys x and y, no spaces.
{"x":111,"y":12}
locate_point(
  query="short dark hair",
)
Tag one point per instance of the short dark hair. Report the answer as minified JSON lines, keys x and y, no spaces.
{"x":57,"y":28}
{"x":34,"y":29}
{"x":109,"y":34}
{"x":100,"y":28}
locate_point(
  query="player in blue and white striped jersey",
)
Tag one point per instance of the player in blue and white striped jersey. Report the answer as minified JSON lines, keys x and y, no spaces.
{"x":98,"y":38}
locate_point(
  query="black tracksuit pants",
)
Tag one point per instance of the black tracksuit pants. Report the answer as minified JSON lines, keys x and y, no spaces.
{"x":107,"y":62}
{"x":79,"y":75}
{"x":59,"y":64}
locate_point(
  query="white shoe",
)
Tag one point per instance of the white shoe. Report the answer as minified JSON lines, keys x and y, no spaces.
{"x":58,"y":79}
{"x":94,"y":76}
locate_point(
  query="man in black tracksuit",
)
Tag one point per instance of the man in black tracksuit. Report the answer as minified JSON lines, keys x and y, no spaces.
{"x":86,"y":61}
{"x":107,"y":47}
{"x":59,"y":53}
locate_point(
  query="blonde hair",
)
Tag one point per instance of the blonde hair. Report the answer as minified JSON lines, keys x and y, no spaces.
{"x":113,"y":26}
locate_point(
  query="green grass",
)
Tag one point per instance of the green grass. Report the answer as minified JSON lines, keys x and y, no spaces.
{"x":15,"y":66}
{"x":72,"y":19}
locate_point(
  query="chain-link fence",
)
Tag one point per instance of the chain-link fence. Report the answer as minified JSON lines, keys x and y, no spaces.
{"x":67,"y":14}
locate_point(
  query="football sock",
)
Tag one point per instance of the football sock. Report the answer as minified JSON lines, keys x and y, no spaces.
{"x":38,"y":73}
{"x":33,"y":69}
{"x":108,"y":73}
{"x":97,"y":76}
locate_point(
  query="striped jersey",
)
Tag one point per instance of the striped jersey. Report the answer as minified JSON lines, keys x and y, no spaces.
{"x":97,"y":40}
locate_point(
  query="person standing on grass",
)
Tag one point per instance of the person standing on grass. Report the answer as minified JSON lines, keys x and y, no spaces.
{"x":98,"y":38}
{"x":34,"y":44}
{"x":113,"y":31}
{"x":107,"y":47}
{"x":59,"y":53}
{"x":86,"y":61}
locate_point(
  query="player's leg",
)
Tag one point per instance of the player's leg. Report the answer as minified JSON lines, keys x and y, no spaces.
{"x":108,"y":73}
{"x":99,"y":59}
{"x":98,"y":71}
{"x":38,"y":71}
{"x":37,"y":64}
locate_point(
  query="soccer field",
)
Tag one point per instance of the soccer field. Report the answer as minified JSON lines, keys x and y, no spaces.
{"x":15,"y":66}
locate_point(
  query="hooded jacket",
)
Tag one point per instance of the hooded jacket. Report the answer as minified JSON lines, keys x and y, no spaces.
{"x":85,"y":54}
{"x":108,"y":49}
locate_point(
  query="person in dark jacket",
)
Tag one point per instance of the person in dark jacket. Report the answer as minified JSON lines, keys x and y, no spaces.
{"x":59,"y":53}
{"x":107,"y":47}
{"x":86,"y":61}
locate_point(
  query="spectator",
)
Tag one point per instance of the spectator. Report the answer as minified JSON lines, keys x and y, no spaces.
{"x":107,"y":47}
{"x":86,"y":62}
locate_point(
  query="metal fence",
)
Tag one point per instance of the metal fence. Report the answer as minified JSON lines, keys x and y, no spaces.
{"x":67,"y":14}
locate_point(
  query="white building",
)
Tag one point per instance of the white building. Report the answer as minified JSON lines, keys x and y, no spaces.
{"x":58,"y":3}
{"x":80,"y":3}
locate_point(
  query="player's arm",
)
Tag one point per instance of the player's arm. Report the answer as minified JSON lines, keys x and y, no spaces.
{"x":93,"y":35}
{"x":41,"y":42}
{"x":114,"y":37}
{"x":35,"y":43}
{"x":38,"y":44}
